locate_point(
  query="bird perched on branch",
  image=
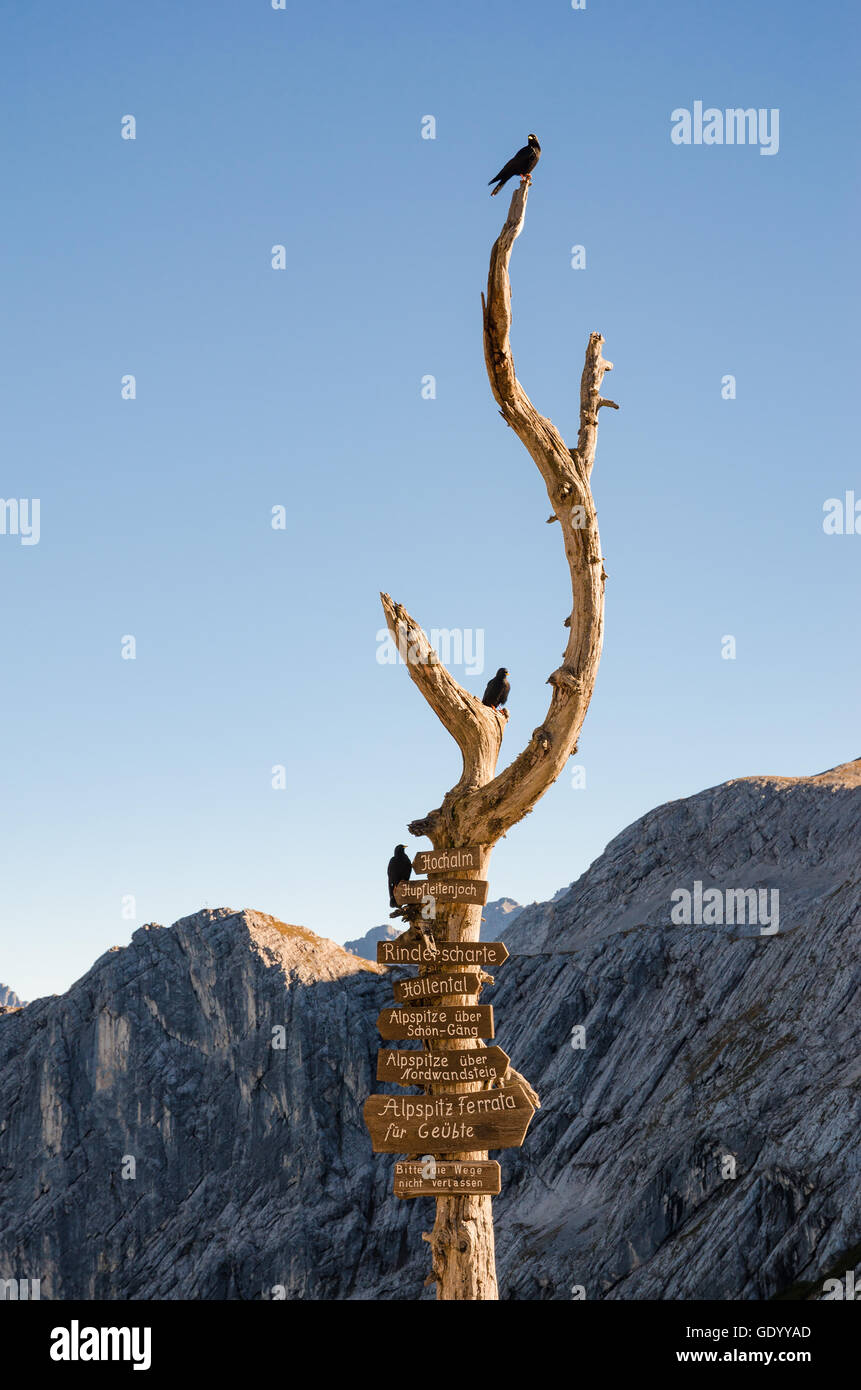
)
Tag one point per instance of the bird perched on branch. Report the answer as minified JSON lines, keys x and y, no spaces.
{"x":400,"y":868}
{"x":522,"y":163}
{"x":498,"y":689}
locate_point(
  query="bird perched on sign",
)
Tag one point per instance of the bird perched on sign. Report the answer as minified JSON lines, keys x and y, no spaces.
{"x":522,"y":163}
{"x":498,"y":689}
{"x":400,"y":868}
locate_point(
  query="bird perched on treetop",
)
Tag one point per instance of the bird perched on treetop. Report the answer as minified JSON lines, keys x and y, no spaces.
{"x":400,"y":868}
{"x":498,"y":689}
{"x":522,"y":163}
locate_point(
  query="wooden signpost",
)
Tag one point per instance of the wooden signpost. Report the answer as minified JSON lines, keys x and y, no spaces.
{"x":422,"y":1068}
{"x":453,"y":1021}
{"x":425,"y":988}
{"x":484,"y":954}
{"x":495,"y":1119}
{"x":450,"y":890}
{"x":468,"y":1106}
{"x":432,"y":1179}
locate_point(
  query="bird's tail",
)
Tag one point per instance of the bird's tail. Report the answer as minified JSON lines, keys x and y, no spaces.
{"x":495,"y":190}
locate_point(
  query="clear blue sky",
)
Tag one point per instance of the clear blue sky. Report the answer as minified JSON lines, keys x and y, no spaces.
{"x":302,"y":387}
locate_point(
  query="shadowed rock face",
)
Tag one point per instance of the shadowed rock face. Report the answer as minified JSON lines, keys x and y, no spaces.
{"x":252,"y":1163}
{"x":708,"y":1049}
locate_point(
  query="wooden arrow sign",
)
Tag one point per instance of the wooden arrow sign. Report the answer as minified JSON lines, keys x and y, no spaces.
{"x":404,"y":950}
{"x":442,"y":1068}
{"x":449,"y":1123}
{"x":442,"y":861}
{"x":450,"y":890}
{"x":452,"y":1179}
{"x":429,"y":987}
{"x":453,"y":1021}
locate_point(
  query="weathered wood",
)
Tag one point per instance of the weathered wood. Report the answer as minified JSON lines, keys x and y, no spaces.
{"x":442,"y":861}
{"x":454,"y":1021}
{"x":405,"y":950}
{"x":423,"y":1068}
{"x":482,"y":806}
{"x":448,"y":1123}
{"x":450,"y":1178}
{"x":436,"y":986}
{"x":450,"y":890}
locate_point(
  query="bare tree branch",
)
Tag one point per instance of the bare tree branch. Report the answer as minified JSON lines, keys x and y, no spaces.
{"x":499,"y":804}
{"x":475,"y":727}
{"x":482,"y":806}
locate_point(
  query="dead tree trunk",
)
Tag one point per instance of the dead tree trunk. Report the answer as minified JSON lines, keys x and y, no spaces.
{"x":483,"y":806}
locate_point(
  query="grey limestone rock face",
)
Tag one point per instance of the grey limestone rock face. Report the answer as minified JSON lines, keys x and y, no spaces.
{"x":701,"y":1144}
{"x":252,"y":1167}
{"x":709,"y":1050}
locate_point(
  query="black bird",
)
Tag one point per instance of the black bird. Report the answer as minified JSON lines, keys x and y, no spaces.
{"x":498,"y":689}
{"x":523,"y":163}
{"x":400,"y":868}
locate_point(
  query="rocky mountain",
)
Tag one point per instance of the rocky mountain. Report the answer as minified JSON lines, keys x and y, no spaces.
{"x":497,"y":916}
{"x":9,"y":999}
{"x":710,"y":1050}
{"x":186,"y":1121}
{"x":366,"y":946}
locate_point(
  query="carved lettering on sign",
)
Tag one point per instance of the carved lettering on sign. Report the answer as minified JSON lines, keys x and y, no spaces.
{"x":477,"y":1120}
{"x":453,"y":1021}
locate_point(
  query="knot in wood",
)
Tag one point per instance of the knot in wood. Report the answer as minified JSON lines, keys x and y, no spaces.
{"x":465,"y":1237}
{"x":564,"y":679}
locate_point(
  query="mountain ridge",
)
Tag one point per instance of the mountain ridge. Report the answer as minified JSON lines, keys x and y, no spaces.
{"x":9,"y":999}
{"x":230,"y":1056}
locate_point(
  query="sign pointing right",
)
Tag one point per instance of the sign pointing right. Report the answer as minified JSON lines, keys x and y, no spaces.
{"x":422,"y":1068}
